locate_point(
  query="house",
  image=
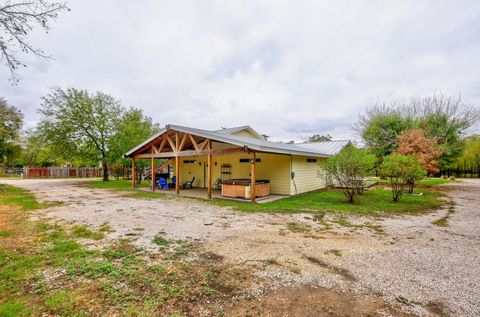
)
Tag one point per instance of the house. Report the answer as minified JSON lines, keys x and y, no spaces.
{"x":239,"y":159}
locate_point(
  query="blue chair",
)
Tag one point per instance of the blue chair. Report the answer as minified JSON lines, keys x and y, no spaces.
{"x":163,"y":183}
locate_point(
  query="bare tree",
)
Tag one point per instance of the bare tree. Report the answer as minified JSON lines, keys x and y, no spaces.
{"x":17,"y":20}
{"x":445,"y":119}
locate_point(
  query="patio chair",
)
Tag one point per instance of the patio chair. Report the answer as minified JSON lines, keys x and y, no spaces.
{"x":162,"y":183}
{"x":188,"y":184}
{"x":217,"y":184}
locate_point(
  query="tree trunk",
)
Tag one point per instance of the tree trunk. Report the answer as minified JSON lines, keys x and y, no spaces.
{"x":105,"y":170}
{"x":411,"y":185}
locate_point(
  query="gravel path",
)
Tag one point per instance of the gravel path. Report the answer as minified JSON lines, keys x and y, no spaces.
{"x":141,"y":219}
{"x":424,"y":269}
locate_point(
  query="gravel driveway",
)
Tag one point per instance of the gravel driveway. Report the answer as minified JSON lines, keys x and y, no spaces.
{"x":418,"y":266}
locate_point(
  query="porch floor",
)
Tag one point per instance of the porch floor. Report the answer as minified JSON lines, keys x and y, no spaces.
{"x":216,"y":194}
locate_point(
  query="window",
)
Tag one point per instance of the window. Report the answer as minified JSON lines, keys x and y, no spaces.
{"x":189,"y":161}
{"x":311,"y":160}
{"x":247,"y":160}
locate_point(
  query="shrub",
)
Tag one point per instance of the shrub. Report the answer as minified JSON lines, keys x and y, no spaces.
{"x":413,"y":172}
{"x":349,"y":169}
{"x":401,"y":170}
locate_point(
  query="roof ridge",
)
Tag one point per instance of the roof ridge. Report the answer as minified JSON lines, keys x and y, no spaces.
{"x":340,"y":140}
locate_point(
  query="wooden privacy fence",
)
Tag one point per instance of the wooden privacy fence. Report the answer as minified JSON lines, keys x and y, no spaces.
{"x":61,"y":172}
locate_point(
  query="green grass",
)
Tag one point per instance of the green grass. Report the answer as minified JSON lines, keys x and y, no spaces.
{"x":106,"y":228}
{"x":60,"y":302}
{"x":13,"y":196}
{"x":84,"y":232}
{"x":430,"y":181}
{"x":49,"y":273}
{"x":120,"y":184}
{"x":6,"y":234}
{"x":373,"y":202}
{"x":442,"y":222}
{"x":14,"y":308}
{"x":126,"y":186}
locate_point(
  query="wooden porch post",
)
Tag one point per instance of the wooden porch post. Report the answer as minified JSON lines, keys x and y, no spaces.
{"x":253,"y":189}
{"x":153,"y":173}
{"x":134,"y":174}
{"x":210,"y":169}
{"x":177,"y":165}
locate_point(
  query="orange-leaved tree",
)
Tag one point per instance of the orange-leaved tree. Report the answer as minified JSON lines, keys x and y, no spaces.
{"x":414,"y":141}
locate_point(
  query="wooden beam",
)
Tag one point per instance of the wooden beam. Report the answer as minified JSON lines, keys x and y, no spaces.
{"x":227,"y":151}
{"x":210,"y":169}
{"x":177,"y":174}
{"x":134,"y":174}
{"x":203,"y":144}
{"x":172,"y":145}
{"x":154,"y":149}
{"x":162,"y":145}
{"x":253,"y":189}
{"x":182,"y":143}
{"x":177,"y":165}
{"x":195,"y":144}
{"x":153,"y":173}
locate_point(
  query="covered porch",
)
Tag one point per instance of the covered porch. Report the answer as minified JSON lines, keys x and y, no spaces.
{"x":193,"y":155}
{"x":201,"y":193}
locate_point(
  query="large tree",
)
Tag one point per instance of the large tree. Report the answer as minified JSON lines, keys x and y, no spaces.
{"x":470,"y":158}
{"x":320,"y":138}
{"x":133,"y":128}
{"x":78,"y":123}
{"x":10,"y":126}
{"x":35,"y":152}
{"x":426,"y":149}
{"x":17,"y":20}
{"x":443,"y":118}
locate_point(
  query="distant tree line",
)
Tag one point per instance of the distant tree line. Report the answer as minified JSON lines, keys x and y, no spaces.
{"x":406,"y":140}
{"x":77,"y":128}
{"x":442,"y":121}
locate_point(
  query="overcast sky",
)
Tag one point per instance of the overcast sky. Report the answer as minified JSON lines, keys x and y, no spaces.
{"x":289,"y":69}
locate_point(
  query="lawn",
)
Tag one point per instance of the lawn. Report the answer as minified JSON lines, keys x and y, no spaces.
{"x":375,"y":201}
{"x":13,"y":196}
{"x":46,"y":271}
{"x":126,"y":186}
{"x":431,"y":181}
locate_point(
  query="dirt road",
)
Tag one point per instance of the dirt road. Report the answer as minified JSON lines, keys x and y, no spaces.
{"x":405,"y":262}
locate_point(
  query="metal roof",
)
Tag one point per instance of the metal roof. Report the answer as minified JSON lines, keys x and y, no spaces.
{"x":327,"y":147}
{"x":238,"y":129}
{"x":261,"y":145}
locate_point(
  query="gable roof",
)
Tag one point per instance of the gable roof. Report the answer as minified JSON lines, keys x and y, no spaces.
{"x":239,"y":129}
{"x":260,"y":145}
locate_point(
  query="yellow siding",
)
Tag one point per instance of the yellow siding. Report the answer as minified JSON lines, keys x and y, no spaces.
{"x":308,"y":176}
{"x":246,"y":134}
{"x":275,"y":168}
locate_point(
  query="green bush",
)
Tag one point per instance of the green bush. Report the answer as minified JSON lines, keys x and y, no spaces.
{"x":349,"y":169}
{"x":402,"y":171}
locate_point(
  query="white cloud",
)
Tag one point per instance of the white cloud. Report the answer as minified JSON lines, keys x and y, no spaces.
{"x":288,"y":68}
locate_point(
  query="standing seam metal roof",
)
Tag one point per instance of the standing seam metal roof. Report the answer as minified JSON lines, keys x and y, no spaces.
{"x":317,"y":149}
